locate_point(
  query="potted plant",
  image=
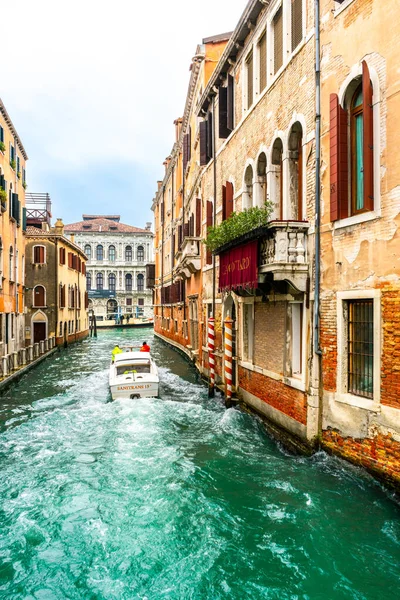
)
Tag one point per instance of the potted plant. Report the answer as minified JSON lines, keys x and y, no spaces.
{"x":19,"y":174}
{"x":24,"y":185}
{"x":2,"y":147}
{"x":13,"y":164}
{"x":3,"y":199}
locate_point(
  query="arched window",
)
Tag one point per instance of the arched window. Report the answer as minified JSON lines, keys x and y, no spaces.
{"x":112,"y":282}
{"x":99,"y":252}
{"x":111,"y":254}
{"x":248,"y":188}
{"x":260,"y":188}
{"x":88,"y":281}
{"x":140,"y":282}
{"x":11,"y":264}
{"x":357,"y":153}
{"x":296,"y":173}
{"x":128,"y":253}
{"x":99,"y":281}
{"x":277,"y":180}
{"x":352,"y":148}
{"x":128,"y":282}
{"x":140,"y":254}
{"x":39,"y":296}
{"x":88,"y":251}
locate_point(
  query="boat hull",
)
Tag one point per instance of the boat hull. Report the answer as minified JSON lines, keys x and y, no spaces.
{"x":134,"y":390}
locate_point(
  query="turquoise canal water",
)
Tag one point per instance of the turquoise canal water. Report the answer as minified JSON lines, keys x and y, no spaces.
{"x":174,"y":498}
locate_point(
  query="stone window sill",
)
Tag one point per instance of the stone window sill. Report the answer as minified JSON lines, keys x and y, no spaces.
{"x":341,"y":7}
{"x":359,"y":402}
{"x":357,"y":219}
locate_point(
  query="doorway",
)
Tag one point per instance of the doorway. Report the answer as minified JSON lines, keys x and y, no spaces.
{"x":39,"y":332}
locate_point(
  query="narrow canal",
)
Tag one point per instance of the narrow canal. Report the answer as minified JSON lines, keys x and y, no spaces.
{"x":174,"y":498}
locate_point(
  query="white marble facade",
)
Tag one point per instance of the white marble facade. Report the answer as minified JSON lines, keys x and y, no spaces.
{"x":116,"y":269}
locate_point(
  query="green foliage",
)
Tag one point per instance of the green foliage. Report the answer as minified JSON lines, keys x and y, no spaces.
{"x":19,"y":174}
{"x":24,"y":185}
{"x":3,"y":196}
{"x":2,"y":147}
{"x":238,"y":224}
{"x":13,"y":164}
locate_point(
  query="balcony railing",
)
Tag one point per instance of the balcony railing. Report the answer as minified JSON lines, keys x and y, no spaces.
{"x":283,"y":252}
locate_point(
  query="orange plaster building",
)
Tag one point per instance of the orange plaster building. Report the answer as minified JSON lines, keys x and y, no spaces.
{"x":13,"y":159}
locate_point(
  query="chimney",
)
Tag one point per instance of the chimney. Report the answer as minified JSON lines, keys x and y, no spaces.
{"x":59,"y":227}
{"x":159,"y":184}
{"x":72,"y":238}
{"x":148,"y":226}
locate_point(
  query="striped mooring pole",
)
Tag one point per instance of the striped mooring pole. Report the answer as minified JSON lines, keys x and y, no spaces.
{"x":228,"y":360}
{"x":211,"y":356}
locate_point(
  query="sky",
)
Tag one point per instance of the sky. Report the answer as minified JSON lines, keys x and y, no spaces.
{"x":93,"y":88}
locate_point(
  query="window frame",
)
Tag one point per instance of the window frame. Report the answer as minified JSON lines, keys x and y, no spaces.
{"x":89,"y":255}
{"x":137,"y":253}
{"x":130,"y":250}
{"x":110,"y":259}
{"x":97,"y":253}
{"x":44,"y":305}
{"x":353,"y":113}
{"x":99,"y":277}
{"x":342,"y":394}
{"x":44,"y":254}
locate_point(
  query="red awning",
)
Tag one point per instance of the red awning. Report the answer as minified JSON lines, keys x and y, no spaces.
{"x":238,"y":267}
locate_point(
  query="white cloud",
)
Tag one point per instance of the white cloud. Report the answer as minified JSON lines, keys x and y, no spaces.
{"x":90,"y":81}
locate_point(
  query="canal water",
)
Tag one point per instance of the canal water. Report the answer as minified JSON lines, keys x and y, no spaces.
{"x":174,"y":498}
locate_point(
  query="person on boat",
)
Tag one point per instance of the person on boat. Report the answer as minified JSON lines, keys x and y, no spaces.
{"x":117,"y":350}
{"x":145,"y":347}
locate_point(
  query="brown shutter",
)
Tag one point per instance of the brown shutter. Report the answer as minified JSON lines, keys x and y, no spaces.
{"x":203,"y":143}
{"x":338,"y":160}
{"x":180,"y":231}
{"x":229,"y":199}
{"x":189,"y":143}
{"x":278,"y":40}
{"x":249,"y":65}
{"x":231,"y":104}
{"x":210,"y":149}
{"x":223,"y":130}
{"x":172,"y":248}
{"x":368,"y":141}
{"x":262,"y":48}
{"x":186,"y":230}
{"x":41,"y":254}
{"x":223,"y":202}
{"x":297,"y":23}
{"x":198,"y":217}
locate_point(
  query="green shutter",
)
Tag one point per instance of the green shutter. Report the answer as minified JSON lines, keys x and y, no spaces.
{"x":24,"y":219}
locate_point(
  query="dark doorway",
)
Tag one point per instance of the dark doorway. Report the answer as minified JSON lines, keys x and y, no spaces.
{"x":39,"y":332}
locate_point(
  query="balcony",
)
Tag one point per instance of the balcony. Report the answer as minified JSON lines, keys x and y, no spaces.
{"x":282,"y":256}
{"x":189,"y":257}
{"x":283,"y":252}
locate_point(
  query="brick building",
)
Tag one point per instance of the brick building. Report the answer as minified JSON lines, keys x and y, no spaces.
{"x":313,"y":291}
{"x":56,"y":297}
{"x":360,"y":287}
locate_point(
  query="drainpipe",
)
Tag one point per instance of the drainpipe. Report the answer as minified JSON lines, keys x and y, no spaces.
{"x":215,"y":203}
{"x":162,"y":250}
{"x":317,"y":349}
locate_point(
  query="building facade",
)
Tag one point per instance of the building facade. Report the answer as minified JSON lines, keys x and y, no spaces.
{"x":118,"y":268}
{"x":56,"y":296}
{"x":247,"y":140}
{"x":12,"y":236}
{"x":315,"y":329}
{"x":360,"y":286}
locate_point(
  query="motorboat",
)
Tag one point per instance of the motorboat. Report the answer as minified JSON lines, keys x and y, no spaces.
{"x":133,"y":375}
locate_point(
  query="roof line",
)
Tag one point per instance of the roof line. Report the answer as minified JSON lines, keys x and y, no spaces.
{"x":10,"y":124}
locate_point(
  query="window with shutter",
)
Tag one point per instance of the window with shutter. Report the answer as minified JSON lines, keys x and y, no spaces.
{"x":262,"y":54}
{"x":368,"y":138}
{"x":38,"y":255}
{"x":231,"y":103}
{"x":338,"y":160}
{"x":229,"y":199}
{"x":297,"y":23}
{"x":39,"y":296}
{"x":224,"y":202}
{"x":278,"y":40}
{"x":198,"y":217}
{"x":249,"y":70}
{"x":203,"y":143}
{"x":210,"y":150}
{"x":223,"y":129}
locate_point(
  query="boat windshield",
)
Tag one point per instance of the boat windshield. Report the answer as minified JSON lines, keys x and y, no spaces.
{"x":135,"y":368}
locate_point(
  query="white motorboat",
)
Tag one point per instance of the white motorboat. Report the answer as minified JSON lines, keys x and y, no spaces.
{"x":133,"y":375}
